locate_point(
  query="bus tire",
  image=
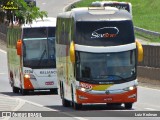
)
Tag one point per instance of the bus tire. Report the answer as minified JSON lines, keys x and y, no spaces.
{"x":15,"y":89}
{"x":54,"y":91}
{"x":24,"y":92}
{"x":128,"y":105}
{"x":75,"y":105}
{"x":65,"y":102}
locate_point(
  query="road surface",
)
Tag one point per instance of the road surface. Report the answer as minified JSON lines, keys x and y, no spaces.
{"x":148,"y":99}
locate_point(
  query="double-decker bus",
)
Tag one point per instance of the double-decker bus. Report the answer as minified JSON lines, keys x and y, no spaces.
{"x":120,"y":5}
{"x":91,"y":40}
{"x":31,"y":56}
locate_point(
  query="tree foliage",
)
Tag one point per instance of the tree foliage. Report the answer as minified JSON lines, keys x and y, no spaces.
{"x":17,"y":11}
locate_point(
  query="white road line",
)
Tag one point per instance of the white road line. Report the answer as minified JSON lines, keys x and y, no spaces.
{"x":36,"y":104}
{"x":150,"y":109}
{"x":2,"y":73}
{"x":149,"y":88}
{"x":71,"y":115}
{"x":21,"y":103}
{"x":80,"y":118}
{"x":3,"y":51}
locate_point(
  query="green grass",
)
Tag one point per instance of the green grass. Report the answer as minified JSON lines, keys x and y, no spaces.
{"x":146,"y":14}
{"x":146,"y":37}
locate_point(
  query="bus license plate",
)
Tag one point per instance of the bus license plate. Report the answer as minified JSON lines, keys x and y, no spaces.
{"x":49,"y":83}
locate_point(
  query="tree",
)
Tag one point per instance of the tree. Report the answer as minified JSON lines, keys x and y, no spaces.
{"x":18,"y":11}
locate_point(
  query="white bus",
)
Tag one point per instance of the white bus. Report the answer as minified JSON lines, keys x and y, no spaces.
{"x":96,"y":57}
{"x":31,"y":56}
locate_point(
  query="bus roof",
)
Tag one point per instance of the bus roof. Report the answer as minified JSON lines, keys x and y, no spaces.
{"x":120,"y":5}
{"x":97,"y":14}
{"x":102,"y":3}
{"x":45,"y":22}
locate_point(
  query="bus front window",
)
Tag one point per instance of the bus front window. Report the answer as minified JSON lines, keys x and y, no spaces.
{"x":39,"y":47}
{"x":39,"y":53}
{"x":105,"y":67}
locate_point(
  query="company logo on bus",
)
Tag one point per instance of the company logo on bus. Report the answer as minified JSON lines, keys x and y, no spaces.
{"x":49,"y":83}
{"x":87,"y":86}
{"x":105,"y":32}
{"x":48,"y":72}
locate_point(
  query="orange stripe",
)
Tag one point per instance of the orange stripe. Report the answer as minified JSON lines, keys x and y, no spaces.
{"x":106,"y":98}
{"x":27,"y":84}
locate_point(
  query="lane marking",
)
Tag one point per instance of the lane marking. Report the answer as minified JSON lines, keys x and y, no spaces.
{"x":150,"y":109}
{"x":149,"y":88}
{"x":71,"y":115}
{"x":39,"y":105}
{"x":3,"y":51}
{"x":80,"y":118}
{"x":2,"y":73}
{"x":21,"y":103}
{"x":36,"y":104}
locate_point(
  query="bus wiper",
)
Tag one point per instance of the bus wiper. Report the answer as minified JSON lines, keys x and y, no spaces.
{"x":42,"y":56}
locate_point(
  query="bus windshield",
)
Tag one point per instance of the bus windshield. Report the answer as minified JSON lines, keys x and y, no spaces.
{"x":39,"y":48}
{"x":104,"y":33}
{"x":105,"y":67}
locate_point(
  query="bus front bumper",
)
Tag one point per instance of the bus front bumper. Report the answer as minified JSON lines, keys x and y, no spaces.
{"x":125,"y":97}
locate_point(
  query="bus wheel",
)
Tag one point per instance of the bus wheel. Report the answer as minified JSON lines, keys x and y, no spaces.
{"x":65,"y":102}
{"x":15,"y":89}
{"x":75,"y":105}
{"x":128,"y":105}
{"x":24,"y":92}
{"x":54,"y":91}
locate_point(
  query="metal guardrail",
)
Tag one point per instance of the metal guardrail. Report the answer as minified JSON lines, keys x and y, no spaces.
{"x":148,"y":32}
{"x":151,"y":56}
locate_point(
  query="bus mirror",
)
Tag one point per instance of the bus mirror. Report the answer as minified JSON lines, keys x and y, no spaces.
{"x":140,"y":51}
{"x":72,"y":52}
{"x":19,"y":47}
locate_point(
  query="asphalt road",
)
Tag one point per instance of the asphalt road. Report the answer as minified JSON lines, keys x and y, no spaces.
{"x":148,"y":99}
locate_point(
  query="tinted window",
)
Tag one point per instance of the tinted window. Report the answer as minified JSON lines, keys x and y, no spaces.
{"x":38,"y":32}
{"x":105,"y":33}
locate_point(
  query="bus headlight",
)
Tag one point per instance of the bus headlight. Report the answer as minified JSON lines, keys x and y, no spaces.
{"x":83,"y":89}
{"x":129,"y":88}
{"x":27,"y":76}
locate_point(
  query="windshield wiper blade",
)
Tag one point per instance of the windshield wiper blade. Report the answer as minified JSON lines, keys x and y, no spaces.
{"x":42,"y":56}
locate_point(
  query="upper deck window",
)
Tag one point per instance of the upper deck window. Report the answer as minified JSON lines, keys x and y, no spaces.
{"x":104,"y":33}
